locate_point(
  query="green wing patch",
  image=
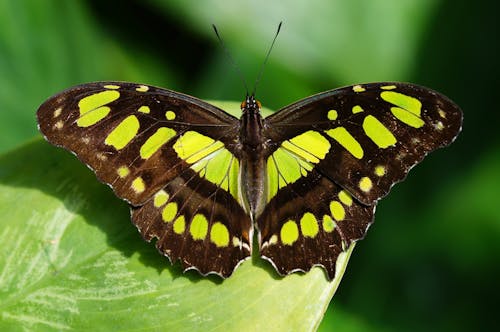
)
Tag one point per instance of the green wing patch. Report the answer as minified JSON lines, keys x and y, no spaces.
{"x":210,"y":160}
{"x":293,"y":159}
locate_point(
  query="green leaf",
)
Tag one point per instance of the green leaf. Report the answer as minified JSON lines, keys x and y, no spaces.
{"x":71,"y":259}
{"x":47,"y":46}
{"x":322,"y":43}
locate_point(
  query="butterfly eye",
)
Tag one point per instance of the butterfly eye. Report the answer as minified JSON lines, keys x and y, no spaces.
{"x":243,"y":104}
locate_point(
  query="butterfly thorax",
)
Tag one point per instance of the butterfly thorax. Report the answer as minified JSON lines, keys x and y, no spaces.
{"x":252,"y":172}
{"x":251,"y":124}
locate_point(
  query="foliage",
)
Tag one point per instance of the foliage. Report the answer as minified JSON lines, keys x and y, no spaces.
{"x":71,"y":259}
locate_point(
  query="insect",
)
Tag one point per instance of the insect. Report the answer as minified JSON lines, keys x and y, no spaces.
{"x":305,"y":180}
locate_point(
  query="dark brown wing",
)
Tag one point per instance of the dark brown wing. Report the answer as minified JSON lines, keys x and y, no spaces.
{"x":311,"y":222}
{"x":358,"y":141}
{"x":159,"y":150}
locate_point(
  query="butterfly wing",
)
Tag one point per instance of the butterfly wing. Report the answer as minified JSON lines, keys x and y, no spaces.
{"x":311,"y":222}
{"x":171,"y":156}
{"x":335,"y":155}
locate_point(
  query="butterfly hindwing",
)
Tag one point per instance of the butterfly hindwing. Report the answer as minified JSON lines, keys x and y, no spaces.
{"x":155,"y":146}
{"x":310,"y":222}
{"x":335,"y":155}
{"x":197,"y":222}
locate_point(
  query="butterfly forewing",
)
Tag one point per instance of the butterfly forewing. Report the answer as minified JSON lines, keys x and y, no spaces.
{"x":170,"y":155}
{"x":376,"y":132}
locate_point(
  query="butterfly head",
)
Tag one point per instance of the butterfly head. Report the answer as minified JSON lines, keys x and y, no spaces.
{"x":250,"y":105}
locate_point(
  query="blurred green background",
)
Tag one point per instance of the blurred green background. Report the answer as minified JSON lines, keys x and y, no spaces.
{"x":431,"y":260}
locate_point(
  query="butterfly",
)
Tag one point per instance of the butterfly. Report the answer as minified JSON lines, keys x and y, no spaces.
{"x":304,"y":181}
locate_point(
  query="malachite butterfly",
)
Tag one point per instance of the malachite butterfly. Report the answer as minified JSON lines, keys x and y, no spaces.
{"x":304,"y":180}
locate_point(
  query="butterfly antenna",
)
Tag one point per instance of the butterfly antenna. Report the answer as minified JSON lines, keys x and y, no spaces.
{"x":265,"y":60}
{"x":233,"y":63}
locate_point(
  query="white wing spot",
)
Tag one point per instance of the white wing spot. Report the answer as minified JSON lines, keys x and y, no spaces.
{"x":57,"y":112}
{"x":101,"y":156}
{"x":142,"y":88}
{"x":59,"y":125}
{"x":358,"y":88}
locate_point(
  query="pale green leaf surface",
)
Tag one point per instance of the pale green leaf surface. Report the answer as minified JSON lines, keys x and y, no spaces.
{"x":71,"y":259}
